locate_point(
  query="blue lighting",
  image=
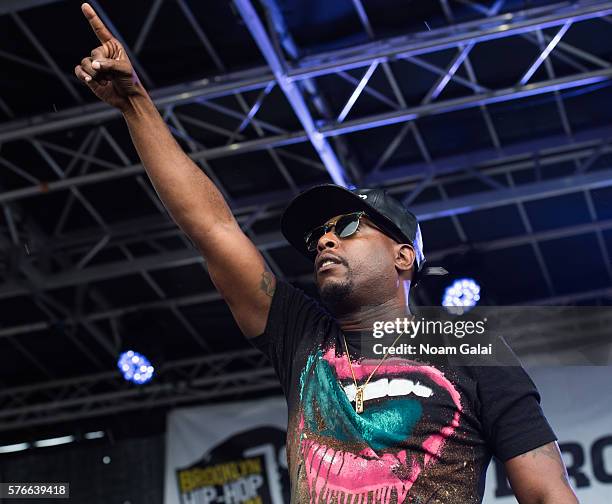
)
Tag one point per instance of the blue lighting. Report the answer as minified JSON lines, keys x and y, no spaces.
{"x":464,"y":293}
{"x":135,"y":367}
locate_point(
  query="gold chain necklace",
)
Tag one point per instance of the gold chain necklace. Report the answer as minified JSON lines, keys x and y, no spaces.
{"x":359,"y":390}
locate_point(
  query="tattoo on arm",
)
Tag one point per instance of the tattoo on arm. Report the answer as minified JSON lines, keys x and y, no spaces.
{"x":551,"y":451}
{"x":548,"y":450}
{"x":267,"y":284}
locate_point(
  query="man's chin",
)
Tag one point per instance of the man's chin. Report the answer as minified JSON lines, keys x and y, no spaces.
{"x":334,"y":291}
{"x":325,"y":282}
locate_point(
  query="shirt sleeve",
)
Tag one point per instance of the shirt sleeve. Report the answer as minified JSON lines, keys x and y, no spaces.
{"x":512,"y":417}
{"x":293,"y":316}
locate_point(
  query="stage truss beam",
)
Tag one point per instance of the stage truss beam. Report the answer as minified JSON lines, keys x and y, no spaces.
{"x":332,"y":62}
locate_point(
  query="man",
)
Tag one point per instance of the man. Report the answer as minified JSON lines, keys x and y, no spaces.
{"x":359,"y":431}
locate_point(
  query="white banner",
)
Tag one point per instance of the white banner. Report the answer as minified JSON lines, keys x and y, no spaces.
{"x":234,"y":453}
{"x":231,"y":453}
{"x":578,"y":404}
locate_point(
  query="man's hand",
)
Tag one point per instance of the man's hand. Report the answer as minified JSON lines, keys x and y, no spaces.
{"x":108,"y":71}
{"x":539,"y":477}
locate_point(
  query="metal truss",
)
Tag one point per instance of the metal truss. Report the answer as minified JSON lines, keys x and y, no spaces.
{"x":17,"y":5}
{"x":400,"y":116}
{"x":121,"y":238}
{"x":231,"y":374}
{"x":292,"y":92}
{"x":190,"y":257}
{"x":86,"y":245}
{"x":323,"y":127}
{"x":400,"y":48}
{"x":192,"y":380}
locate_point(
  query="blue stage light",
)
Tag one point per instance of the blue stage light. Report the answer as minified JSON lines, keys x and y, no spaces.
{"x":135,"y":367}
{"x":463,"y":294}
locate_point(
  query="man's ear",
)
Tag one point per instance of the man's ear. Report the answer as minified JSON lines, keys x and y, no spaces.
{"x":404,"y":257}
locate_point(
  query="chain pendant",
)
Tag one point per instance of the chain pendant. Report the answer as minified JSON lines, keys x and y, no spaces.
{"x":359,"y":400}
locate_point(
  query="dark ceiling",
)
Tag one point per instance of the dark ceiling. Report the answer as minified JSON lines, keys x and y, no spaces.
{"x":508,"y":171}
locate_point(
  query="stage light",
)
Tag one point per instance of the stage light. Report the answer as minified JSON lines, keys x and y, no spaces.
{"x":135,"y":367}
{"x":14,"y":447}
{"x":462,"y":295}
{"x":94,"y":435}
{"x":43,"y":443}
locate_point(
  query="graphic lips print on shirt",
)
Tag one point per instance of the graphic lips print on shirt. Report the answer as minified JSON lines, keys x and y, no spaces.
{"x":380,"y":453}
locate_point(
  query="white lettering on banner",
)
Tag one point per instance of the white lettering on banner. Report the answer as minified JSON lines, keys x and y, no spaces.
{"x":241,"y":490}
{"x":204,"y":495}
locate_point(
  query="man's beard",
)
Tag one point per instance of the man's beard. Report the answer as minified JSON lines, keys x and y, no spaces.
{"x":336,"y":295}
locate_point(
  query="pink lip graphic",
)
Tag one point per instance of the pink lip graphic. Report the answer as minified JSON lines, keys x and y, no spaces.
{"x":340,"y":475}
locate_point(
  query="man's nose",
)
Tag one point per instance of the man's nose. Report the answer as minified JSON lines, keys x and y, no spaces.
{"x":328,"y":240}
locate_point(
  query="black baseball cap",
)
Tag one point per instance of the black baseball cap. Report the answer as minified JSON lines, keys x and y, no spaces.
{"x":318,"y":204}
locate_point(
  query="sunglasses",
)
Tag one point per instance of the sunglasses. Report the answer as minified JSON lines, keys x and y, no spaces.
{"x":345,"y":226}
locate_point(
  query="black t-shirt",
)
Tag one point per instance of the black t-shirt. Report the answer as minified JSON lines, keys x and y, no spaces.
{"x":426,"y":434}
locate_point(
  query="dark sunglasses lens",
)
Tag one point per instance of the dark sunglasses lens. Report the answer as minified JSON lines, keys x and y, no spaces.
{"x":313,"y":237}
{"x":347,"y":225}
{"x":344,"y":227}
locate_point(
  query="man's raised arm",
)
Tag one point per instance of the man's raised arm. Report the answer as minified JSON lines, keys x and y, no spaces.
{"x":235,"y":265}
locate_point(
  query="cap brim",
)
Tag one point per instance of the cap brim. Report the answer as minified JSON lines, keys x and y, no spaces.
{"x":315,"y":206}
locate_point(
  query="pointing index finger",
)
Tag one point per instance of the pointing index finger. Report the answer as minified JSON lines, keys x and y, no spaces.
{"x":101,"y":31}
